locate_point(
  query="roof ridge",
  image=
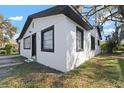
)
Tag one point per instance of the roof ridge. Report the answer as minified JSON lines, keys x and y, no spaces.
{"x":46,"y":10}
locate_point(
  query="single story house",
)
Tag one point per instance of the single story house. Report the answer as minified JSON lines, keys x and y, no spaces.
{"x":60,"y":38}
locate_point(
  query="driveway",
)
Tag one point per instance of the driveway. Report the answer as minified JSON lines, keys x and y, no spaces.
{"x":8,"y":56}
{"x":7,"y":61}
{"x":10,"y":60}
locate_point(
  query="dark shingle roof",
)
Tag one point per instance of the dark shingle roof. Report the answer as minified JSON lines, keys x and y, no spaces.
{"x":60,"y":9}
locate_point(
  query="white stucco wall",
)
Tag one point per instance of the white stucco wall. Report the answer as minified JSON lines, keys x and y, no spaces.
{"x":73,"y":58}
{"x":54,"y":59}
{"x":57,"y":59}
{"x":65,"y":56}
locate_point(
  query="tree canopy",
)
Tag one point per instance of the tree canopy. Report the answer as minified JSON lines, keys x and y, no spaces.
{"x":103,"y":13}
{"x":7,"y":31}
{"x":100,"y":14}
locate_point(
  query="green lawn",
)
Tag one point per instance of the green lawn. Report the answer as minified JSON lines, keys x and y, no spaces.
{"x":106,"y":70}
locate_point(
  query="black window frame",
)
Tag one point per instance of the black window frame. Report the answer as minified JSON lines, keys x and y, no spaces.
{"x":98,"y":42}
{"x":42,"y":38}
{"x":82,"y":39}
{"x":24,"y":42}
{"x":92,"y":42}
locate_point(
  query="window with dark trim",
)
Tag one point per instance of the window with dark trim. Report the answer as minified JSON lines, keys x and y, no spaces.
{"x":79,"y":39}
{"x":27,"y":42}
{"x":47,"y":39}
{"x":98,"y":43}
{"x":92,"y":43}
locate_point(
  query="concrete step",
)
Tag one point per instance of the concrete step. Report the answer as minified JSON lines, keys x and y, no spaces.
{"x":29,"y":60}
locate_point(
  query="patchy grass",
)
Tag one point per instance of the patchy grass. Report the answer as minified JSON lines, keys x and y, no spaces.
{"x":29,"y":75}
{"x":101,"y":71}
{"x":106,"y":70}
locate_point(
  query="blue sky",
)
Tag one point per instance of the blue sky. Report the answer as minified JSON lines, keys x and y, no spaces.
{"x":19,"y":13}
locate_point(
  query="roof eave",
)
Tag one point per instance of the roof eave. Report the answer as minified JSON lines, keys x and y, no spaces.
{"x":66,"y":10}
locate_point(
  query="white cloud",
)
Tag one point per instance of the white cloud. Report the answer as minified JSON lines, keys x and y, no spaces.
{"x":16,"y":18}
{"x":108,"y":31}
{"x":108,"y":24}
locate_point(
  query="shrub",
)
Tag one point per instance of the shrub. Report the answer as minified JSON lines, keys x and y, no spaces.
{"x":8,"y":48}
{"x":111,"y":46}
{"x":120,"y":47}
{"x":2,"y":48}
{"x":108,"y":46}
{"x":3,"y":52}
{"x":104,"y":47}
{"x":15,"y":48}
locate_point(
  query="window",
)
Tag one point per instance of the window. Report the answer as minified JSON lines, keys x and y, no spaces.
{"x":98,"y":42}
{"x":47,"y":39}
{"x":79,"y":39}
{"x":92,"y":43}
{"x":27,"y":42}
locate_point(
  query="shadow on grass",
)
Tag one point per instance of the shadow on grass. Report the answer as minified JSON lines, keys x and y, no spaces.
{"x":106,"y":72}
{"x":33,"y":68}
{"x":103,"y":68}
{"x":121,"y":64}
{"x":30,"y":75}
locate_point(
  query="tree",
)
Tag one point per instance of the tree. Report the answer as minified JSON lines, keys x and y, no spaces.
{"x":100,"y":14}
{"x":8,"y":48}
{"x":103,"y":13}
{"x":7,"y":31}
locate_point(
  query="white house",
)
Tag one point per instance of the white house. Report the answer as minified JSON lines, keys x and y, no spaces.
{"x":60,"y":38}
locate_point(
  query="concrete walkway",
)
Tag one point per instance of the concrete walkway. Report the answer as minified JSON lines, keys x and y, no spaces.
{"x":6,"y":63}
{"x":9,"y":64}
{"x":8,"y":56}
{"x":9,"y":60}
